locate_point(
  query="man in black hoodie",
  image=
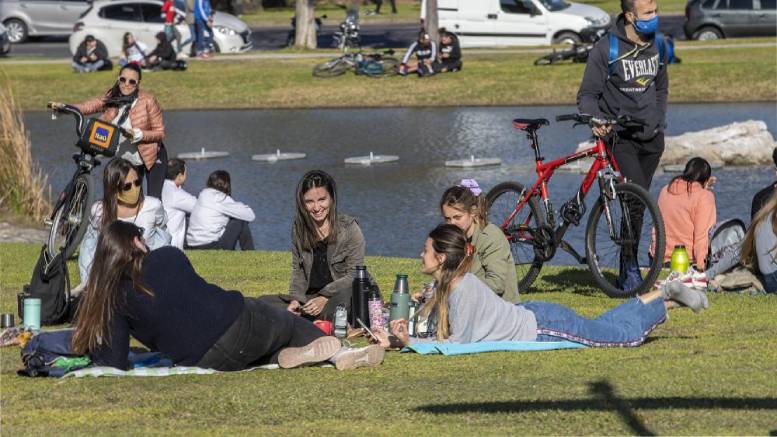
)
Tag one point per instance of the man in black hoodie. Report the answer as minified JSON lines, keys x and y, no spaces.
{"x":632,"y":82}
{"x":91,"y":55}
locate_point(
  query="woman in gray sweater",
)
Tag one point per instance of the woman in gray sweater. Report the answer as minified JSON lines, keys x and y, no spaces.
{"x":467,"y":311}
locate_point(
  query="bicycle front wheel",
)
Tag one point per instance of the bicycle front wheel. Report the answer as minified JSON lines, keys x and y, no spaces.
{"x":520,"y":230}
{"x":332,"y":68}
{"x":71,"y":219}
{"x":623,"y":232}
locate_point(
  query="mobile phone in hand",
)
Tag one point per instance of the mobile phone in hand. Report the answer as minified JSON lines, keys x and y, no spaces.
{"x":366,"y":329}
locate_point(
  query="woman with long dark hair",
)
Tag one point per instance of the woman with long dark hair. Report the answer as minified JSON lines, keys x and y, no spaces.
{"x":158,"y":298}
{"x":687,"y":205}
{"x":137,"y":111}
{"x":467,"y":311}
{"x":326,"y":247}
{"x":132,"y":51}
{"x":123,"y":199}
{"x":464,"y":206}
{"x":759,"y":250}
{"x":218,"y":221}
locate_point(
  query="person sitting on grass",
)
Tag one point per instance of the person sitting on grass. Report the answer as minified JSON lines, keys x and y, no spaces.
{"x":156,"y":297}
{"x":467,"y":311}
{"x":163,"y":56}
{"x":178,"y":203}
{"x":326,"y":247}
{"x":687,"y":206}
{"x":425,"y":51}
{"x":759,"y":250}
{"x":492,"y":263}
{"x":132,"y":51}
{"x":450,"y":53}
{"x":760,"y":198}
{"x":91,"y":56}
{"x":218,"y":221}
{"x":123,"y":199}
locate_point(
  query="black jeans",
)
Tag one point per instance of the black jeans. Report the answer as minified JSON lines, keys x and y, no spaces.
{"x":328,"y":313}
{"x":379,"y":3}
{"x":155,"y":176}
{"x":237,"y":231}
{"x":638,"y":160}
{"x":257,"y":336}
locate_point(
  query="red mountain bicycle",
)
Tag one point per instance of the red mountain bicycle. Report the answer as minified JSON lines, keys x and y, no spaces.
{"x":623,"y":216}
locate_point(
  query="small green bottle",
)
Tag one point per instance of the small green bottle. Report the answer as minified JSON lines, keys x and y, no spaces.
{"x":400,"y":299}
{"x":680,"y":260}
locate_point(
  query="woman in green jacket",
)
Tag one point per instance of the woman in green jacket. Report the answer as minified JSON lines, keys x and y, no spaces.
{"x":464,"y":206}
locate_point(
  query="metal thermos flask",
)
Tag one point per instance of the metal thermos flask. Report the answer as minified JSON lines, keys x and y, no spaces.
{"x":360,"y":297}
{"x":400,"y":299}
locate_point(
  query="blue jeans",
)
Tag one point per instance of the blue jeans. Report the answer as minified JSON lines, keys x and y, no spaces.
{"x":201,"y":30}
{"x":626,"y":325}
{"x":770,"y":282}
{"x":88,"y":67}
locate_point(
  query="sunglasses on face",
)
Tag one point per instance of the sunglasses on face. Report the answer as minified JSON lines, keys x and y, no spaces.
{"x":132,"y":82}
{"x":128,"y":185}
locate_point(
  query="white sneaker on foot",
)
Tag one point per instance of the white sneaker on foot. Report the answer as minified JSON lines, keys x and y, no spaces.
{"x":369,"y":356}
{"x":318,"y":350}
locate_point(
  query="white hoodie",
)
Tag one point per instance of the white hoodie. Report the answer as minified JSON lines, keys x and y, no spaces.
{"x":211,"y":214}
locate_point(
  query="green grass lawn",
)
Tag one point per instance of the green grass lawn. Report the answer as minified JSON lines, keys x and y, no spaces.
{"x":712,"y":373}
{"x":730,"y":73}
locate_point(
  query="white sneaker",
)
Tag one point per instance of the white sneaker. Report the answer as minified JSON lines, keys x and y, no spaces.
{"x":369,"y":356}
{"x":318,"y":350}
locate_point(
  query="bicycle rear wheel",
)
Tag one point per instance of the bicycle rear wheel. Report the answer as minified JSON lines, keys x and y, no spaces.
{"x":71,"y":218}
{"x":550,"y":58}
{"x":520,"y":231}
{"x":332,"y":68}
{"x":619,"y":236}
{"x":389,"y":67}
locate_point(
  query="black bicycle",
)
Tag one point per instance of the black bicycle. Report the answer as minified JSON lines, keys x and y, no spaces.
{"x":578,"y":53}
{"x":70,"y":218}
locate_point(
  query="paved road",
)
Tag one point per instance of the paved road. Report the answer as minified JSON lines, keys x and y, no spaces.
{"x":273,"y":38}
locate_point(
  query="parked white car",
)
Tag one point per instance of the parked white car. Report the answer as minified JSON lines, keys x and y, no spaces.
{"x":24,"y":18}
{"x":491,"y":23}
{"x":109,"y":20}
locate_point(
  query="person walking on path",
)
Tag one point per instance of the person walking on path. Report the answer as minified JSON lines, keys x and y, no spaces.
{"x":203,"y":15}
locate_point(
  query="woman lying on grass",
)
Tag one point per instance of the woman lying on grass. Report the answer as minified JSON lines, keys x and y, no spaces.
{"x":158,"y":298}
{"x":467,"y":311}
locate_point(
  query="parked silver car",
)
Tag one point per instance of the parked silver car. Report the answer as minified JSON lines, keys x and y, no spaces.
{"x":24,"y":18}
{"x":109,"y":20}
{"x":5,"y":43}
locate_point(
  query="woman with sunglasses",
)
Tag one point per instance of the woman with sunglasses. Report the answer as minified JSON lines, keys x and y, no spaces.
{"x":467,"y":311}
{"x":156,"y":297}
{"x":137,"y":111}
{"x":123,"y":200}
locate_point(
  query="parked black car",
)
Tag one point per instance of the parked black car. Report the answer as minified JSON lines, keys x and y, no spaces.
{"x":715,"y":19}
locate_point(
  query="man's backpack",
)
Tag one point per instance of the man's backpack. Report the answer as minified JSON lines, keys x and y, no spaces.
{"x":50,"y":282}
{"x":49,"y":354}
{"x":613,"y":56}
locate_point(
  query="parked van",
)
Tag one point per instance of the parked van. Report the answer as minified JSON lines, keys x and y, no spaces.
{"x":490,"y":23}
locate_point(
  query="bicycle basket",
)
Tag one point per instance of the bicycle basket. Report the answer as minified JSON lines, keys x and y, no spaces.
{"x":100,"y":138}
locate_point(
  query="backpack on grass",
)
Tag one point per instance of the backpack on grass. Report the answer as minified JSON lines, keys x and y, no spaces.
{"x":725,"y":237}
{"x":51,"y":284}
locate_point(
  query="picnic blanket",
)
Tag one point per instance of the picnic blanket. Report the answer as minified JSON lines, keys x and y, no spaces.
{"x":450,"y":349}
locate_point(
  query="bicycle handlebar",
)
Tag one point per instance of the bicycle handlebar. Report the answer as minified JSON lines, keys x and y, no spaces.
{"x":601,"y":121}
{"x":74,"y":112}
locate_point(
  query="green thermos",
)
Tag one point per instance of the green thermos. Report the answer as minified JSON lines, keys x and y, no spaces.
{"x":400,"y":299}
{"x":680,"y":260}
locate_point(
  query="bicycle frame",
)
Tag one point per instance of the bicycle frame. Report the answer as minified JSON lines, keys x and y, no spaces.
{"x":603,"y":163}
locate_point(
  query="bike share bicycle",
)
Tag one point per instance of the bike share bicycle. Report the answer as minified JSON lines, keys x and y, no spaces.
{"x":70,"y":217}
{"x":376,"y":64}
{"x":624,"y":226}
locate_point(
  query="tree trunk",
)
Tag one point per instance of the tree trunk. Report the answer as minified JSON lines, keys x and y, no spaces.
{"x":305,"y":38}
{"x":432,"y":22}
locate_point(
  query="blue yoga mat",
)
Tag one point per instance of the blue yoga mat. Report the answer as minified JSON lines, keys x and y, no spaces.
{"x":492,"y":346}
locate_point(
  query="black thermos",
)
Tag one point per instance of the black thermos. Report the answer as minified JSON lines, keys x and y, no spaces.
{"x":359,"y":298}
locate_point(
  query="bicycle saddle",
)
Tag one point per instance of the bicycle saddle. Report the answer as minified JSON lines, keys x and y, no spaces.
{"x":529,"y":124}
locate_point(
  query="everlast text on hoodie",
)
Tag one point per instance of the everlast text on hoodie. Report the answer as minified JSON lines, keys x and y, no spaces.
{"x":636,"y":85}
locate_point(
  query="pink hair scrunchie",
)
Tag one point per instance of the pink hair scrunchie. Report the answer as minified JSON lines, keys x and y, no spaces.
{"x":472,"y":185}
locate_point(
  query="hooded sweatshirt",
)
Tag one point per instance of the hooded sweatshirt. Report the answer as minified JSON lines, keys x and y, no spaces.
{"x":689,"y":213}
{"x":638,"y":85}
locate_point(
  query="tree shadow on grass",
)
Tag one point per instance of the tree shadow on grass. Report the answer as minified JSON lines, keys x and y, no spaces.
{"x":573,"y":280}
{"x":604,"y":398}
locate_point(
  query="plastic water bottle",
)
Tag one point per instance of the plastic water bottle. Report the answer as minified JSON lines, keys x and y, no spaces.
{"x":341,"y":322}
{"x":400,"y":299}
{"x":680,"y":260}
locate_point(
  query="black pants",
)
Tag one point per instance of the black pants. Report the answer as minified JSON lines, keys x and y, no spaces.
{"x":447,"y":65}
{"x":328,"y":313}
{"x":237,"y":231}
{"x":155,"y":176}
{"x":638,"y":160}
{"x":379,"y":3}
{"x":260,"y":332}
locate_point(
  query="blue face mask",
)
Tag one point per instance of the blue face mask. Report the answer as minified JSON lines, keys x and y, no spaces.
{"x":646,"y":27}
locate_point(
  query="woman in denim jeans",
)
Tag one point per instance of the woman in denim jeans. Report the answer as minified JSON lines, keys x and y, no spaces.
{"x":760,"y":246}
{"x":467,"y":311}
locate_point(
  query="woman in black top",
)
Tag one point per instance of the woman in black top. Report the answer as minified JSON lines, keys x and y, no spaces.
{"x":158,"y":298}
{"x":163,"y":56}
{"x":450,"y":53}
